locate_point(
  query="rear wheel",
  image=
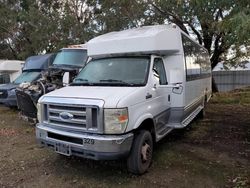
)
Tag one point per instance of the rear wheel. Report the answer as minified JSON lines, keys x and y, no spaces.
{"x":140,"y":157}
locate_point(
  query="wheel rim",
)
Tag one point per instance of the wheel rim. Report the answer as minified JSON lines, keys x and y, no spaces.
{"x":146,"y":151}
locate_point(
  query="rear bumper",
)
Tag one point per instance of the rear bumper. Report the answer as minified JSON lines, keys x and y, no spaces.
{"x":86,"y":145}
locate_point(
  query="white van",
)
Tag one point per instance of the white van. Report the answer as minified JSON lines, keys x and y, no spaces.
{"x":139,"y":85}
{"x":10,"y":70}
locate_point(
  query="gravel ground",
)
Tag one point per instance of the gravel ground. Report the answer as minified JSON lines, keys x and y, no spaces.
{"x":211,"y":152}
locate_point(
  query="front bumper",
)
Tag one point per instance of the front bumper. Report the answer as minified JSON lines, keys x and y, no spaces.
{"x":93,"y":146}
{"x":9,"y":102}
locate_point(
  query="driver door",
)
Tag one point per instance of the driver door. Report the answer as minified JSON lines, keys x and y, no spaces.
{"x":162,"y":96}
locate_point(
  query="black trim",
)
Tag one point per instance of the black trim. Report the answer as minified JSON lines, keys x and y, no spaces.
{"x":65,"y":138}
{"x":148,"y":96}
{"x":197,"y":76}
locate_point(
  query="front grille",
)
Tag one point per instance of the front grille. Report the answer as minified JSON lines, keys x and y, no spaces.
{"x":77,"y":117}
{"x":65,"y":138}
{"x":3,"y":94}
{"x":25,"y":104}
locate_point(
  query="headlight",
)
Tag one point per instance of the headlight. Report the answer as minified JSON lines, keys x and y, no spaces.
{"x":115,"y":120}
{"x":39,"y":112}
{"x":12,"y":91}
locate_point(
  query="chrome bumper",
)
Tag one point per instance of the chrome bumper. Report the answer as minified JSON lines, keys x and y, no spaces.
{"x":98,"y":147}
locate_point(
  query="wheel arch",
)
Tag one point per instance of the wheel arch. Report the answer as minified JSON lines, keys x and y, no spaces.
{"x":149,"y":125}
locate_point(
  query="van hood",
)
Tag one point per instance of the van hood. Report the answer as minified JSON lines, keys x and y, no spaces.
{"x":9,"y":86}
{"x":110,"y":95}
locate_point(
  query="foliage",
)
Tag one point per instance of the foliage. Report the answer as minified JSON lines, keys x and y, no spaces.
{"x":34,"y":27}
{"x":214,"y":24}
{"x":31,"y":27}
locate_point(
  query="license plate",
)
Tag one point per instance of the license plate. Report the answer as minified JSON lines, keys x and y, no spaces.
{"x":63,"y":149}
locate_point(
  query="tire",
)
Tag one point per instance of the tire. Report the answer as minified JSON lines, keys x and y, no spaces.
{"x":140,"y":156}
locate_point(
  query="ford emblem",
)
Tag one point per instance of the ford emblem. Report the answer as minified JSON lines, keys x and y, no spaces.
{"x":66,"y":116}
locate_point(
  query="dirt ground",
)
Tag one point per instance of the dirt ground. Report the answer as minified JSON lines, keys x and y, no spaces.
{"x":212,"y":152}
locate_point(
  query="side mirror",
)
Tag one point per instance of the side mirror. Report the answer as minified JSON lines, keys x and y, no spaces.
{"x":175,"y":76}
{"x":65,"y":79}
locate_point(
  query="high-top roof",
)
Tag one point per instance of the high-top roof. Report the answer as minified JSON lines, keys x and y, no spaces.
{"x":38,"y":62}
{"x":159,"y":39}
{"x":10,"y":65}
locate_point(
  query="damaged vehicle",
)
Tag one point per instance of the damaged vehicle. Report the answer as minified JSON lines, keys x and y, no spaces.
{"x":63,"y":70}
{"x":31,"y":71}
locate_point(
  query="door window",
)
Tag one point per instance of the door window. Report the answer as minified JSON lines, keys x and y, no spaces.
{"x":159,"y":71}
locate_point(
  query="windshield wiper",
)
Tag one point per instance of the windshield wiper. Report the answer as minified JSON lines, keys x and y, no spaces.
{"x":65,"y":67}
{"x":116,"y":81}
{"x":81,"y":79}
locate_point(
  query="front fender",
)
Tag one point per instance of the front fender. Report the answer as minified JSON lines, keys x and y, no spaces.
{"x":139,"y":121}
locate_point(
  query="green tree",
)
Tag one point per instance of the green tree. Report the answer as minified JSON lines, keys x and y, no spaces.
{"x":31,"y":27}
{"x":222,"y":27}
{"x":34,"y":27}
{"x":117,"y":15}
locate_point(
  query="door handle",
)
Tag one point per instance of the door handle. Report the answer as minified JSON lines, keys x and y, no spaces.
{"x":148,"y":96}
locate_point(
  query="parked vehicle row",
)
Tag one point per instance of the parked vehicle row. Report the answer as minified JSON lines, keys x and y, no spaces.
{"x":10,"y":70}
{"x":63,"y":69}
{"x":136,"y":87}
{"x":31,"y":71}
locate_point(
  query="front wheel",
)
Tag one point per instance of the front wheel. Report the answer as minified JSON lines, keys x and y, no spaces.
{"x":140,"y":156}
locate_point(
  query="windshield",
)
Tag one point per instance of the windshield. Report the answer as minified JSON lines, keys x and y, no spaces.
{"x":27,"y":77}
{"x":38,"y":62}
{"x":72,"y":57}
{"x":114,"y":72}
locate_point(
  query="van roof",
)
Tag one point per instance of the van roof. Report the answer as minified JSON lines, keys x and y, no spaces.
{"x":159,"y":39}
{"x":10,"y":65}
{"x":38,"y":62}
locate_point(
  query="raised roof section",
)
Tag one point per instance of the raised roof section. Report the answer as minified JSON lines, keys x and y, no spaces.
{"x":11,"y":65}
{"x":159,"y":39}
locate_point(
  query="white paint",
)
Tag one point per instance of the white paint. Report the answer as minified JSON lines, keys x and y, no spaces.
{"x":11,"y":67}
{"x":157,"y":41}
{"x":161,"y":39}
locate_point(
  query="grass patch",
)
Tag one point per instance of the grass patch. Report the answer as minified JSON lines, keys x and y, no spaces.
{"x":239,"y":96}
{"x":198,"y":131}
{"x":188,"y":160}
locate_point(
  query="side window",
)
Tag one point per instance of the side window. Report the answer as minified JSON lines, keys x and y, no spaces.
{"x":191,"y":52}
{"x":205,"y":63}
{"x":197,"y":60}
{"x":4,"y":78}
{"x":159,"y":71}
